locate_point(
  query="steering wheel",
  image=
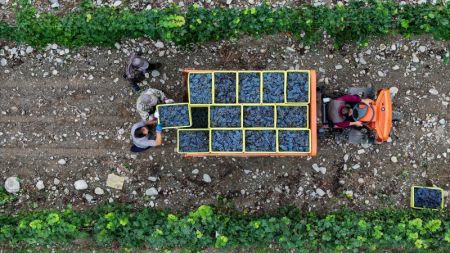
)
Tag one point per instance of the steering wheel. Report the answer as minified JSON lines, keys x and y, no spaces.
{"x":360,"y":110}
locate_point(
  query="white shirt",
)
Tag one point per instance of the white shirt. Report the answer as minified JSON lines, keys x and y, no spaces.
{"x":143,"y":142}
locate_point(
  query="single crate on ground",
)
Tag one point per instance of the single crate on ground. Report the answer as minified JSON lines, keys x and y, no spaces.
{"x":174,"y":115}
{"x":260,"y":141}
{"x":226,"y":140}
{"x":427,"y":197}
{"x":297,"y":87}
{"x":293,"y":141}
{"x":259,"y":116}
{"x":193,"y":141}
{"x":249,"y":87}
{"x":199,"y":117}
{"x":225,"y":87}
{"x":225,"y":116}
{"x":200,"y":88}
{"x":292,"y":116}
{"x":273,"y":87}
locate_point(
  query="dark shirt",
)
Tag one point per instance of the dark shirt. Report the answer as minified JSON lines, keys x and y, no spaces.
{"x":347,"y":99}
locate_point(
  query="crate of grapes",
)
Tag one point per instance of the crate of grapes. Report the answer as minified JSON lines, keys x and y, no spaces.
{"x":257,"y":116}
{"x":249,"y":87}
{"x":298,"y":86}
{"x":193,"y":141}
{"x":260,"y":141}
{"x":174,"y":115}
{"x":225,"y":87}
{"x":427,"y":197}
{"x":225,"y":116}
{"x":227,"y":141}
{"x":200,"y":86}
{"x":292,"y":116}
{"x":294,"y":141}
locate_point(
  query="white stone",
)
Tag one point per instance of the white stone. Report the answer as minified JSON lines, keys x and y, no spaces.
{"x":381,"y":73}
{"x":415,"y":58}
{"x":56,"y":181}
{"x":151,"y":192}
{"x":62,"y":161}
{"x":339,"y":66}
{"x":40,"y":185}
{"x":361,"y":151}
{"x":12,"y":185}
{"x":54,"y":72}
{"x":320,"y":192}
{"x":323,"y":170}
{"x":422,"y":49}
{"x":229,"y":2}
{"x":206,"y":178}
{"x":361,"y":180}
{"x":442,"y":122}
{"x":99,"y":191}
{"x":55,"y":5}
{"x":29,"y":50}
{"x":315,"y":167}
{"x":88,"y":197}
{"x":80,"y":185}
{"x":153,"y":179}
{"x":3,"y":62}
{"x":195,"y":171}
{"x":394,"y":159}
{"x":346,"y":156}
{"x":155,"y":73}
{"x":117,"y":3}
{"x":396,"y":67}
{"x":247,"y":172}
{"x":356,"y":166}
{"x":159,"y":44}
{"x":433,"y":91}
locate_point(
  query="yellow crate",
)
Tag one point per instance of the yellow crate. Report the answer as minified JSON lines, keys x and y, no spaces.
{"x":260,"y":129}
{"x":284,"y":84}
{"x":274,"y":116}
{"x":292,"y":104}
{"x":196,"y":152}
{"x":260,"y":85}
{"x":224,"y":105}
{"x":198,"y":106}
{"x":228,"y":152}
{"x":175,"y":104}
{"x":189,"y":86}
{"x":431,"y":188}
{"x":292,"y":152}
{"x":214,"y":85}
{"x":309,"y":85}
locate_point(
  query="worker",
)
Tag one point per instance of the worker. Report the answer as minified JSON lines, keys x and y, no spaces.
{"x":340,"y":111}
{"x":147,"y":102}
{"x":142,"y":136}
{"x":136,"y":69}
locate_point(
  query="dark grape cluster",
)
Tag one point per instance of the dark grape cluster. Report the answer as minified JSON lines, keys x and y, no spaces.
{"x":427,"y":198}
{"x":227,"y":140}
{"x":249,"y":87}
{"x":225,"y":116}
{"x":193,"y":141}
{"x":200,"y":88}
{"x":199,"y":117}
{"x":293,"y":140}
{"x":297,"y":86}
{"x":260,"y":140}
{"x":225,"y":88}
{"x":259,"y":116}
{"x":292,"y":116}
{"x":174,"y":115}
{"x":273,"y":87}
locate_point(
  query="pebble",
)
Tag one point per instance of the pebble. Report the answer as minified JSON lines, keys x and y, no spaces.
{"x":153,"y":179}
{"x":80,"y":185}
{"x":159,"y":44}
{"x":339,"y":66}
{"x":346,"y":156}
{"x":155,"y":73}
{"x":316,"y":168}
{"x":396,"y":67}
{"x":117,"y":3}
{"x":151,"y":192}
{"x":29,"y":50}
{"x":433,"y":91}
{"x":247,"y":172}
{"x":12,"y":185}
{"x":99,"y":191}
{"x":62,"y":162}
{"x":229,"y":2}
{"x":442,"y":122}
{"x":394,"y":159}
{"x":422,"y":49}
{"x":356,"y":166}
{"x":320,"y":192}
{"x":381,"y":73}
{"x":361,"y":151}
{"x":3,"y":62}
{"x":415,"y":58}
{"x":54,"y":72}
{"x":195,"y":171}
{"x":360,"y":180}
{"x":40,"y":185}
{"x":56,"y":181}
{"x":206,"y":178}
{"x":88,"y":197}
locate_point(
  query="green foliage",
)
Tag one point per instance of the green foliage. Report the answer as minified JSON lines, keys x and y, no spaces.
{"x":104,"y":26}
{"x":207,"y":227}
{"x":5,"y":197}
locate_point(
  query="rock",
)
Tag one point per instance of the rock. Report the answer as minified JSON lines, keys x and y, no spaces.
{"x":55,"y":5}
{"x":346,"y":156}
{"x":206,"y":178}
{"x":247,"y":172}
{"x":348,"y":194}
{"x":40,"y":185}
{"x":356,"y":166}
{"x":88,"y":197}
{"x":115,"y":182}
{"x":80,"y":185}
{"x":361,"y":151}
{"x":54,"y":72}
{"x":394,"y":159}
{"x":151,"y":192}
{"x":320,"y":192}
{"x":155,"y":73}
{"x":442,"y":122}
{"x":99,"y":191}
{"x":195,"y":171}
{"x":62,"y":162}
{"x":159,"y":44}
{"x":381,"y":73}
{"x":315,"y":167}
{"x":3,"y":62}
{"x":433,"y":91}
{"x":361,"y":180}
{"x":3,"y":2}
{"x":415,"y":58}
{"x":117,"y":3}
{"x":229,"y":2}
{"x":396,"y":67}
{"x":56,"y":181}
{"x":153,"y":179}
{"x":12,"y":185}
{"x":339,"y":66}
{"x":362,"y":61}
{"x":382,"y":47}
{"x":422,"y":49}
{"x":29,"y":50}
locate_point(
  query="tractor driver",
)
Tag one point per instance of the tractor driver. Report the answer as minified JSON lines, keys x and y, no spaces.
{"x":340,"y":111}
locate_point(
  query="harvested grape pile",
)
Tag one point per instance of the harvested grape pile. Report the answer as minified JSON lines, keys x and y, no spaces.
{"x":292,"y":116}
{"x":200,"y":88}
{"x":225,"y":87}
{"x":293,"y":140}
{"x":193,"y":141}
{"x":199,"y":117}
{"x":259,"y":116}
{"x":297,"y":87}
{"x":249,"y":87}
{"x":174,"y":115}
{"x":225,"y":116}
{"x":260,"y":140}
{"x":427,"y":198}
{"x":273,"y":87}
{"x":227,"y":140}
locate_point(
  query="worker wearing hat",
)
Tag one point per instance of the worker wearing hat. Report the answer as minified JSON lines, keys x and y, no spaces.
{"x":147,"y":102}
{"x":136,"y":69}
